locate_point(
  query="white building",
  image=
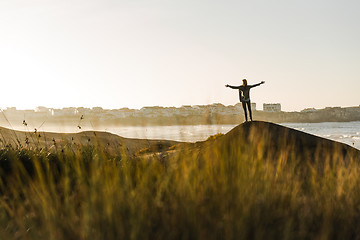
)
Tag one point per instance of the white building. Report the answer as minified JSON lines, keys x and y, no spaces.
{"x":272,"y":107}
{"x":11,"y":109}
{"x":253,"y":106}
{"x":148,"y":111}
{"x":42,"y":109}
{"x":309,"y":110}
{"x":239,"y":105}
{"x":126,"y":112}
{"x":97,"y":110}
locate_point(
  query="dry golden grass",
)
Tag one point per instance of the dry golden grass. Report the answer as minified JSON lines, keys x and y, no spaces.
{"x":213,"y":190}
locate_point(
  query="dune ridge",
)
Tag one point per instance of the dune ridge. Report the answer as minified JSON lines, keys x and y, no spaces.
{"x":275,"y":137}
{"x":108,"y":141}
{"x":252,"y":137}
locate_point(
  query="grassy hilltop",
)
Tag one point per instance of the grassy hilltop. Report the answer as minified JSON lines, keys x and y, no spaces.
{"x":260,"y":180}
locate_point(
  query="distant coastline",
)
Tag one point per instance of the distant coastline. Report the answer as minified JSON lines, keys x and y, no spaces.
{"x":160,"y":116}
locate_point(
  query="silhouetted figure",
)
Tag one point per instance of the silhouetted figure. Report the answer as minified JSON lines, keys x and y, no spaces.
{"x":244,"y":95}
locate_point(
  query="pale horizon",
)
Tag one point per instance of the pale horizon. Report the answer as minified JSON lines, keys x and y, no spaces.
{"x":172,"y":53}
{"x":258,"y":107}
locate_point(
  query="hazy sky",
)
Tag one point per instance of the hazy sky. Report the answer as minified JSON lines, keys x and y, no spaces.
{"x":113,"y":54}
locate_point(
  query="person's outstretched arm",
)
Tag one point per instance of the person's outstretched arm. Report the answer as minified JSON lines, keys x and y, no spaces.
{"x":233,"y":87}
{"x":255,"y":85}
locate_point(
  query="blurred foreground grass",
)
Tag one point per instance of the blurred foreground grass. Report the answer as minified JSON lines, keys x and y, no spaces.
{"x":84,"y":193}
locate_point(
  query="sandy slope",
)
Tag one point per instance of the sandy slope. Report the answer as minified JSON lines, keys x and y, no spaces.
{"x":108,"y":141}
{"x":253,"y":138}
{"x":269,"y":141}
{"x":275,"y":138}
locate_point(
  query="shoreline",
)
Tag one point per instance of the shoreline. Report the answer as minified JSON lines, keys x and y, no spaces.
{"x":345,"y":132}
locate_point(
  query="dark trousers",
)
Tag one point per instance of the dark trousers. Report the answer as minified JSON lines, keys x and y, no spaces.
{"x":249,"y":107}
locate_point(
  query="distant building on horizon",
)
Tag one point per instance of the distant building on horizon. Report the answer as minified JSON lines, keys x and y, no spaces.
{"x":11,"y":109}
{"x":309,"y":110}
{"x":253,"y":106}
{"x":41,"y":109}
{"x":272,"y":107}
{"x":239,"y":105}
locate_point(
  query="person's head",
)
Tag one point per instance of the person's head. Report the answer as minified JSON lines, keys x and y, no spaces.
{"x":244,"y":82}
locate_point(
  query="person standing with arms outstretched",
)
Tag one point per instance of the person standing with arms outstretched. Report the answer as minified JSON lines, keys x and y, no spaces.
{"x":244,"y":95}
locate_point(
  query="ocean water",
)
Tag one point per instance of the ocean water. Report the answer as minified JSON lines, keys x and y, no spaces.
{"x":345,"y":132}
